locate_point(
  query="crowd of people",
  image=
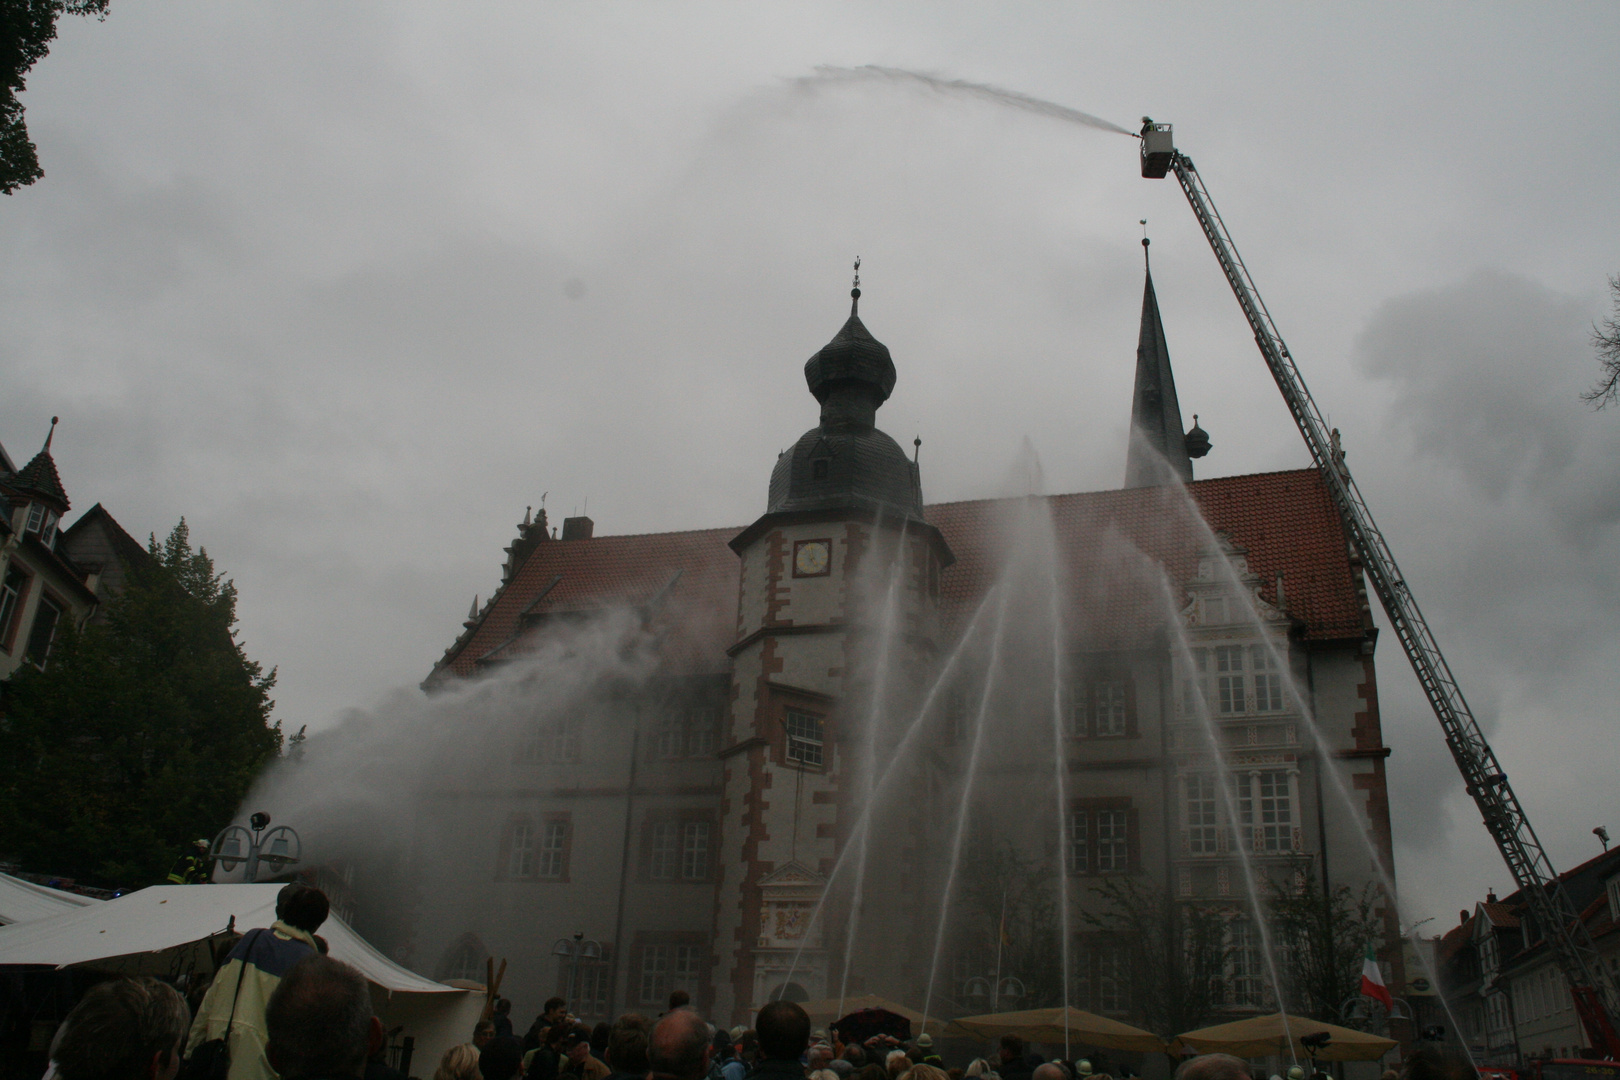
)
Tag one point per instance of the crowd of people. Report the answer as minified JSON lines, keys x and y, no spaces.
{"x":280,"y":1009}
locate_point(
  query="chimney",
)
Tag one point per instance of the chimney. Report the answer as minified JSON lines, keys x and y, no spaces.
{"x":577,"y":528}
{"x":1462,"y":917}
{"x":1490,"y":896}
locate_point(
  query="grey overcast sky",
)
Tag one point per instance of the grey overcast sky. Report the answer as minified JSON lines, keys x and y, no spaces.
{"x":350,"y":285}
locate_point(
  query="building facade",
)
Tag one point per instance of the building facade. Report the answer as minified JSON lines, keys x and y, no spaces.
{"x":51,"y":575}
{"x":1502,"y":982}
{"x":1215,"y":704}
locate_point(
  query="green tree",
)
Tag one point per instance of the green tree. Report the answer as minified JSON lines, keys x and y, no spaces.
{"x":143,"y":732}
{"x":27,"y":28}
{"x":1176,"y":952}
{"x":1320,"y":938}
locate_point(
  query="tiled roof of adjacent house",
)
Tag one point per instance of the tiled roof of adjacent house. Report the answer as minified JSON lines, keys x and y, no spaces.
{"x":1285,"y":520}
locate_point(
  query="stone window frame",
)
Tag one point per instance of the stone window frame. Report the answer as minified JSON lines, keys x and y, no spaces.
{"x":1084,"y":701}
{"x":1087,"y":813}
{"x":16,"y":582}
{"x":641,"y":953}
{"x":539,"y":824}
{"x":819,"y":706}
{"x":680,"y":820}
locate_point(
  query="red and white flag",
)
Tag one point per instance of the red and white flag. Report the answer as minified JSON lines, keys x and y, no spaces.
{"x":1372,"y":981}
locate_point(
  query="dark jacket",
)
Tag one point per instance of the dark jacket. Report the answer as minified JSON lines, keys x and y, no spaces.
{"x":776,"y":1069}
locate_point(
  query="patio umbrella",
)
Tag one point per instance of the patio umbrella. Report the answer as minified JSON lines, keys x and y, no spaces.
{"x":1262,"y":1035}
{"x":1050,"y":1026}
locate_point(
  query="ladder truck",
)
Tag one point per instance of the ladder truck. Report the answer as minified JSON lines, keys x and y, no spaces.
{"x":1592,"y":986}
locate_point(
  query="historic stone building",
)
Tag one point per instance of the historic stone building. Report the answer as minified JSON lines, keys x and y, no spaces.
{"x":716,"y":796}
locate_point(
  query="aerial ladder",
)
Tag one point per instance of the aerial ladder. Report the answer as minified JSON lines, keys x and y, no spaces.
{"x":1591,"y":984}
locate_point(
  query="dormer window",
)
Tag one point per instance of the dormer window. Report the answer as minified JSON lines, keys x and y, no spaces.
{"x":819,"y":468}
{"x":1614,"y":896}
{"x":42,"y":521}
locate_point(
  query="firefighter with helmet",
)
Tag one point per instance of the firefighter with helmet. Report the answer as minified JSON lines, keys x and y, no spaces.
{"x":192,"y":868}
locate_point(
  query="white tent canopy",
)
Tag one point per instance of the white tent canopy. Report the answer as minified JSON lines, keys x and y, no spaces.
{"x":170,"y":929}
{"x":23,"y":901}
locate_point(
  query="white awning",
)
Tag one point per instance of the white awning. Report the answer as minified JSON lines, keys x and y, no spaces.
{"x":169,"y":929}
{"x":23,"y":901}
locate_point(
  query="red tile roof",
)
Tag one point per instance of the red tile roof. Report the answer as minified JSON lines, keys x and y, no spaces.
{"x":1285,"y":520}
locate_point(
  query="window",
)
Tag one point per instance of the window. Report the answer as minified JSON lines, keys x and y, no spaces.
{"x":1108,"y":707}
{"x":666,"y":968}
{"x":553,"y":742}
{"x":42,"y":520}
{"x":12,"y":593}
{"x":1100,"y":839}
{"x":1246,"y":980}
{"x":522,"y":860}
{"x":688,"y":734}
{"x":695,"y":850}
{"x":1079,"y":831}
{"x":1101,"y":707}
{"x":554,"y":850}
{"x":1113,"y":854}
{"x":1229,"y":678}
{"x":818,"y":468}
{"x":1265,"y":807}
{"x":1276,"y":812}
{"x":1268,"y":692}
{"x":662,"y":857}
{"x":466,"y":960}
{"x":44,"y":631}
{"x":804,"y":734}
{"x":588,"y":996}
{"x":1203,"y":829}
{"x":1113,"y":980}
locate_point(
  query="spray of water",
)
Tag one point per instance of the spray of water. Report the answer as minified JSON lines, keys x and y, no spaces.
{"x":962,"y":88}
{"x":1223,"y":785}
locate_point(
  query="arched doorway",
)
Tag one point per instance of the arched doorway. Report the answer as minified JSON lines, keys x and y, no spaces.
{"x":788,"y":992}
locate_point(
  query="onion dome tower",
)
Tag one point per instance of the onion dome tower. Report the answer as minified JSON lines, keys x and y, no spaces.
{"x":845,"y":462}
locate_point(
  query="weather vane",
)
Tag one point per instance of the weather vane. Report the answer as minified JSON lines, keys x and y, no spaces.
{"x":857,"y":272}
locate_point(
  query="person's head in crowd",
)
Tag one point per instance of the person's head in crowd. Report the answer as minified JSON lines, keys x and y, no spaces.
{"x":820,"y":1054}
{"x":1213,"y":1067}
{"x":302,"y":906}
{"x":1390,"y":1074}
{"x":896,"y":1062}
{"x":459,"y":1063}
{"x":720,"y":1046}
{"x":679,"y":999}
{"x":555,"y":1012}
{"x":483,"y":1032}
{"x":976,"y":1068}
{"x":577,"y":1044}
{"x":679,"y":1046}
{"x":784,"y":1030}
{"x":748,"y":1044}
{"x":599,"y":1037}
{"x":873,"y":1071}
{"x":954,"y":1073}
{"x":319,"y":1024}
{"x":855,"y":1055}
{"x":926,"y":1072}
{"x":1432,"y":1062}
{"x":1012,"y":1049}
{"x":842,"y":1068}
{"x":1050,"y":1071}
{"x":503,"y":1006}
{"x":126,"y":1029}
{"x":627,"y":1045}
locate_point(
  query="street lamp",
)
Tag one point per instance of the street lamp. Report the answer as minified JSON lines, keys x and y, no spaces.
{"x":280,"y":847}
{"x":577,"y":949}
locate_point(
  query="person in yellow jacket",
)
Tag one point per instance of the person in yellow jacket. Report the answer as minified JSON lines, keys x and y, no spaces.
{"x":242,"y":987}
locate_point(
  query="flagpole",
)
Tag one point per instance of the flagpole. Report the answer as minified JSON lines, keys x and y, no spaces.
{"x":1001,"y":935}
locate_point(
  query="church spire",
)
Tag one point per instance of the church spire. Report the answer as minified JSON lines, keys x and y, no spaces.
{"x":1156,"y":437}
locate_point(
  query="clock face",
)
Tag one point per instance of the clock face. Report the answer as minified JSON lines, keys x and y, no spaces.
{"x":812,"y":558}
